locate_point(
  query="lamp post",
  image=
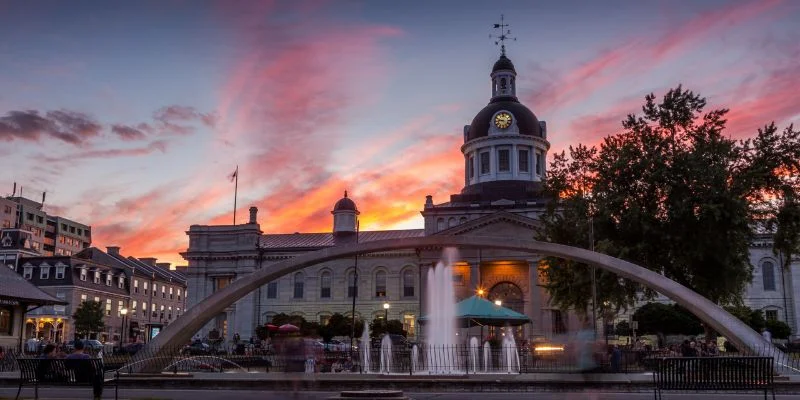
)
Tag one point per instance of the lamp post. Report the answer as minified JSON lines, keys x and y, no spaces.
{"x":386,"y":311}
{"x":124,"y":313}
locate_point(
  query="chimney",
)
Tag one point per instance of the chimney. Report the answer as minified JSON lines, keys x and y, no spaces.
{"x":428,"y":201}
{"x":113,"y":250}
{"x":163,"y":265}
{"x":253,"y":215}
{"x":151,"y":261}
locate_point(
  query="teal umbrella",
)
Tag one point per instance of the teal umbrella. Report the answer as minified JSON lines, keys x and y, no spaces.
{"x":477,"y":311}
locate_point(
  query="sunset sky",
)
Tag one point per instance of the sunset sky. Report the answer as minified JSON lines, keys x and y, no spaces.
{"x":131,"y":115}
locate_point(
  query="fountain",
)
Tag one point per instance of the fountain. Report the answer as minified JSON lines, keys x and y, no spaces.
{"x":473,"y":354}
{"x":365,"y":348}
{"x":487,"y":356}
{"x":414,"y":359}
{"x":510,"y":355}
{"x":386,"y":354}
{"x":441,"y":354}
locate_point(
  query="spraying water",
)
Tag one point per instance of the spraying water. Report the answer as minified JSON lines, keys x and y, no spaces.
{"x":473,"y":354}
{"x":441,"y":305}
{"x":487,"y":354}
{"x":414,"y":358}
{"x":365,"y":347}
{"x":510,"y":354}
{"x":386,"y":354}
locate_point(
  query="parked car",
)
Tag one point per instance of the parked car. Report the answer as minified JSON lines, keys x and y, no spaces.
{"x":196,"y":349}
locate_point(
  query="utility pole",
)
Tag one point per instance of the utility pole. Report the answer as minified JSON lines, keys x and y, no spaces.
{"x":355,"y":294}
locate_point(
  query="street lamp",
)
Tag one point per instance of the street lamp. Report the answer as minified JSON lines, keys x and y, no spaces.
{"x":123,"y":312}
{"x":498,"y":302}
{"x":480,"y":292}
{"x":386,"y":311}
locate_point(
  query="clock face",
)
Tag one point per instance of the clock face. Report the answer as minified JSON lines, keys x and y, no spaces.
{"x":502,"y":120}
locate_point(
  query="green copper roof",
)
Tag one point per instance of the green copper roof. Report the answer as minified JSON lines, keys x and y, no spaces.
{"x":476,"y":311}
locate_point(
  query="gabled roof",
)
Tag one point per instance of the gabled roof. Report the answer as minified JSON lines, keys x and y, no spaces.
{"x":320,"y":240}
{"x":16,"y":288}
{"x":131,"y":263}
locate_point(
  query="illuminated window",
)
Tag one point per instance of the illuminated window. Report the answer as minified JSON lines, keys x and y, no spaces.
{"x":409,"y":324}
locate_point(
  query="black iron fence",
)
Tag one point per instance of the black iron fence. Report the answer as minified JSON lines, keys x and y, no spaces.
{"x":308,"y":356}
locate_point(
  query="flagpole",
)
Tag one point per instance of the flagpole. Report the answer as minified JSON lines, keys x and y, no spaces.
{"x":235,"y":192}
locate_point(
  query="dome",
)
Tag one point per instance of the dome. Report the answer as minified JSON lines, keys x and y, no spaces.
{"x":503,"y":63}
{"x":345,"y":204}
{"x":526,"y":121}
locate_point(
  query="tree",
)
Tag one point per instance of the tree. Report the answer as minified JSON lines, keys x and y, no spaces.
{"x":753,"y":318}
{"x":623,"y":328}
{"x":379,"y":327}
{"x":778,"y":329}
{"x":88,"y":318}
{"x":673,"y":193}
{"x":663,"y":319}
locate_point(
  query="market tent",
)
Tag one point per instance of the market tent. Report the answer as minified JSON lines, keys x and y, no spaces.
{"x":477,"y":311}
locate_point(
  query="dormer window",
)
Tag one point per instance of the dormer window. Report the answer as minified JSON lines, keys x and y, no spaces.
{"x":27,"y":272}
{"x":108,"y":279}
{"x":60,"y":271}
{"x":6,"y":242}
{"x":121,"y":282}
{"x":44,"y":272}
{"x":84,"y":273}
{"x":96,"y":276}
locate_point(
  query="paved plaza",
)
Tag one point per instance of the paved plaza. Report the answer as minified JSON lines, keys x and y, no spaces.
{"x":150,"y":394}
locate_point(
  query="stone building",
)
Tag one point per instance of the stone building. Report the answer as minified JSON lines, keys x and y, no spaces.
{"x":51,"y":235}
{"x":505,"y":151}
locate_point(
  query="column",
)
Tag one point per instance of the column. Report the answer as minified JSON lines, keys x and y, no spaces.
{"x":474,"y":276}
{"x":535,"y":295}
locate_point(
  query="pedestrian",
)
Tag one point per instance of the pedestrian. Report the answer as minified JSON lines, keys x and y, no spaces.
{"x":79,"y":362}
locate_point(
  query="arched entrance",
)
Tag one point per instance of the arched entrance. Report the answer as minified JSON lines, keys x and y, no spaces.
{"x":509,"y":295}
{"x":181,"y":331}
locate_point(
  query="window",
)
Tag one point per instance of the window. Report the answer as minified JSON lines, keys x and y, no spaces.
{"x":558,"y":321}
{"x":538,"y":163}
{"x":178,"y":312}
{"x":169,"y":312}
{"x":503,"y":160}
{"x":440,"y":224}
{"x":5,"y":320}
{"x":298,"y":285}
{"x":171,"y":296}
{"x":272,"y":290}
{"x":44,"y":272}
{"x":352,"y":285}
{"x":219,"y":284}
{"x":471,"y":166}
{"x":772,"y":315}
{"x":83,"y":298}
{"x":108,"y":278}
{"x":485,"y":162}
{"x":323,"y":319}
{"x":135,"y":286}
{"x":155,"y":289}
{"x":108,"y":307}
{"x":409,"y":324}
{"x":121,"y":282}
{"x":768,"y":275}
{"x":144,"y":287}
{"x":524,"y":163}
{"x":325,"y":285}
{"x":144,"y":309}
{"x":451,"y":222}
{"x":96,"y":299}
{"x":120,"y":305}
{"x":380,"y":284}
{"x":408,"y":283}
{"x":60,"y":271}
{"x":27,"y":273}
{"x":96,"y":276}
{"x":133,"y":308}
{"x":179,"y":294}
{"x":83,"y":274}
{"x":164,"y":292}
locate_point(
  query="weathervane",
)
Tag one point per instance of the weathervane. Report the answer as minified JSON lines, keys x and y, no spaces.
{"x":503,"y":36}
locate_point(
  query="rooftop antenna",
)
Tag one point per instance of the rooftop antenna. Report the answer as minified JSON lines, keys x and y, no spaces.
{"x":500,"y":39}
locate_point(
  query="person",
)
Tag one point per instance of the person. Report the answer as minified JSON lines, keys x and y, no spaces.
{"x":78,"y":361}
{"x":616,"y":358}
{"x":766,"y":334}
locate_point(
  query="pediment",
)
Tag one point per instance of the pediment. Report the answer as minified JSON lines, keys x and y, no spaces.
{"x":498,"y":224}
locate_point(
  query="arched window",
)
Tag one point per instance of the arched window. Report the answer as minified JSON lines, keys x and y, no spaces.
{"x":462,"y":220}
{"x":325,"y":285}
{"x":509,"y":295}
{"x":440,"y":224}
{"x":768,"y":275}
{"x":451,"y":222}
{"x":380,"y":284}
{"x":352,"y":285}
{"x":408,"y":283}
{"x":298,"y":285}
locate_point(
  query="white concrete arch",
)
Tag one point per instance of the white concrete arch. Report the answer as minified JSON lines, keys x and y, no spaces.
{"x":181,"y":330}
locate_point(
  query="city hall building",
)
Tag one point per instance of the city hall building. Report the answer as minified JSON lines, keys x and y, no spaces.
{"x":505,"y":151}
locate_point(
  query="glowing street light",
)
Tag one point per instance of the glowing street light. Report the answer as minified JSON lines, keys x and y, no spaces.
{"x":498,"y":302}
{"x":386,"y":311}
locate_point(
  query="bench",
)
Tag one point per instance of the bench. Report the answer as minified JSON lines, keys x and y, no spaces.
{"x":714,"y":373}
{"x":61,"y":372}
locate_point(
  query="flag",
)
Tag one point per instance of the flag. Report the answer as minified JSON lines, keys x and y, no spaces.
{"x":235,"y":173}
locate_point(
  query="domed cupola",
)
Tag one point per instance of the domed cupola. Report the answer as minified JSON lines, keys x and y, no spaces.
{"x":505,"y":146}
{"x":345,"y":215}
